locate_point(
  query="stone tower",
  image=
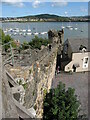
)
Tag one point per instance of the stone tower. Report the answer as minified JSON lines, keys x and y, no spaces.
{"x":56,"y":36}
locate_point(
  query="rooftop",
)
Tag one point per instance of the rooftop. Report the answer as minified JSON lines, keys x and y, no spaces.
{"x":76,"y":43}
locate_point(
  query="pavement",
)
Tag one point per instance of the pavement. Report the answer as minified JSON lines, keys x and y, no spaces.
{"x":78,"y":81}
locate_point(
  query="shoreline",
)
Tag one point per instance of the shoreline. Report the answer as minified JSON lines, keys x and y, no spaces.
{"x":39,"y":21}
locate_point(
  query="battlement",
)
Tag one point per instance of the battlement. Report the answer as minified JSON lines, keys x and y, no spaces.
{"x":37,"y":69}
{"x":56,"y":36}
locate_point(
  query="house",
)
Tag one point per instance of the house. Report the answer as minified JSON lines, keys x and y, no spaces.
{"x":78,"y":52}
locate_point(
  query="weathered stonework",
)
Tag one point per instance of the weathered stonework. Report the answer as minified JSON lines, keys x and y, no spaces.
{"x":44,"y":86}
{"x":37,"y":72}
{"x":38,"y":78}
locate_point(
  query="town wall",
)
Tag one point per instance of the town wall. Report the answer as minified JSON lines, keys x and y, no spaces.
{"x":37,"y":69}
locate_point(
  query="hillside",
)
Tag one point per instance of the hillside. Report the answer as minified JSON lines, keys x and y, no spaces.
{"x":56,"y":17}
{"x":48,"y":18}
{"x":45,"y":16}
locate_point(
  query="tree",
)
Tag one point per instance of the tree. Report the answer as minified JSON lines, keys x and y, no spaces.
{"x":38,"y":42}
{"x":2,"y":36}
{"x":6,"y":39}
{"x":61,"y":104}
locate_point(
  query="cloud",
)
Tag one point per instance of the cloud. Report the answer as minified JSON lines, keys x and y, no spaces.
{"x":66,"y":1}
{"x":17,"y":3}
{"x":66,"y":12}
{"x":36,"y":3}
{"x":59,"y":3}
{"x":11,"y":1}
{"x":20,"y":5}
{"x":83,"y":9}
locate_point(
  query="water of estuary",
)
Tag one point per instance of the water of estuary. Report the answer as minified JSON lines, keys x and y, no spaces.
{"x":81,"y":30}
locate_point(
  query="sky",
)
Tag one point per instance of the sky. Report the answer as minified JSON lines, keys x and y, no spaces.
{"x":16,"y":9}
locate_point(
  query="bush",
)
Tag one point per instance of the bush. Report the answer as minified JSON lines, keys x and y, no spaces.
{"x":25,"y":45}
{"x":61,"y":104}
{"x":5,"y":39}
{"x":38,"y":42}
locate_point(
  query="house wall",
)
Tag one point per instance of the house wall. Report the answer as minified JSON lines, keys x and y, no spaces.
{"x":67,"y":49}
{"x":78,"y":58}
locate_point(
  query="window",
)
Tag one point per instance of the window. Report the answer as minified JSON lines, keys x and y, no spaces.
{"x":85,"y":62}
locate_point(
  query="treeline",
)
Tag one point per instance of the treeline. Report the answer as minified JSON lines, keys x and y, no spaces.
{"x":52,"y":17}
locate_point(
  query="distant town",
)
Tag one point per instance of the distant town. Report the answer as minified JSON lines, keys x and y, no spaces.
{"x":46,"y":18}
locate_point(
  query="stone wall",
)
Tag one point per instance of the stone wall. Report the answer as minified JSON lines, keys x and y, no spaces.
{"x":44,"y":86}
{"x":56,"y":36}
{"x":38,"y":78}
{"x":43,"y":73}
{"x":37,"y":68}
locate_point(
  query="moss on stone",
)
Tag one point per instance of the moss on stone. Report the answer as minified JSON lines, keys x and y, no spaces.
{"x":44,"y":92}
{"x":24,"y":85}
{"x":30,"y":71}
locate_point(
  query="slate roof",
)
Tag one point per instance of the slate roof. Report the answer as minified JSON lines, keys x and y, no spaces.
{"x":76,"y":43}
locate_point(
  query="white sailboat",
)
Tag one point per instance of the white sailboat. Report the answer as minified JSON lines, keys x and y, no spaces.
{"x":29,"y":33}
{"x":28,"y":30}
{"x":15,"y":34}
{"x":10,"y":29}
{"x":75,"y":28}
{"x":24,"y":34}
{"x":42,"y":33}
{"x":24,"y":30}
{"x":17,"y":30}
{"x":62,"y":26}
{"x":36,"y":33}
{"x":69,"y":26}
{"x":5,"y":31}
{"x":20,"y":33}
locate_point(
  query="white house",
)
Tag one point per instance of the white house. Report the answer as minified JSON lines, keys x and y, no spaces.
{"x":78,"y":51}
